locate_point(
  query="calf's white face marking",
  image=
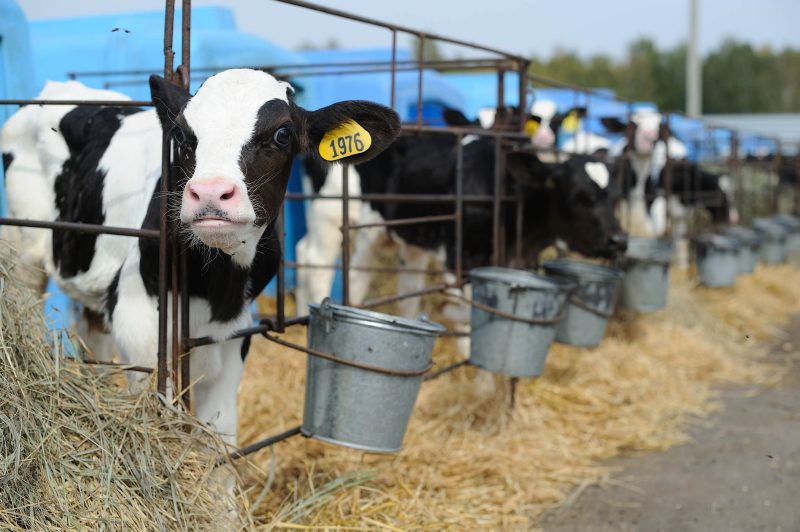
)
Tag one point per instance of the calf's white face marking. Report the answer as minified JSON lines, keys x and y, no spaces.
{"x":598,"y":172}
{"x":648,"y":125}
{"x":222,"y":116}
{"x":544,"y":136}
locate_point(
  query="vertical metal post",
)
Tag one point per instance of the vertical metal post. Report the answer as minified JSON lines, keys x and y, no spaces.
{"x":281,"y":281}
{"x":163,"y":259}
{"x":736,"y":171}
{"x":797,"y":181}
{"x":500,"y":120}
{"x":694,"y":80}
{"x":345,"y":234}
{"x":774,"y":176}
{"x":668,"y":175}
{"x":523,"y":94}
{"x":459,"y":221}
{"x":394,"y":68}
{"x":496,"y":203}
{"x":420,"y":61}
{"x":185,"y":359}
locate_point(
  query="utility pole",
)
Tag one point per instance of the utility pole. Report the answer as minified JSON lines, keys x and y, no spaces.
{"x":694,"y":80}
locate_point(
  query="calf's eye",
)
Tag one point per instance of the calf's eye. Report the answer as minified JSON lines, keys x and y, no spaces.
{"x":282,"y":137}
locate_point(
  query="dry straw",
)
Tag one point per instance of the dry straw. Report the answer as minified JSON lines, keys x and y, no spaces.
{"x":77,"y":451}
{"x":470,"y":461}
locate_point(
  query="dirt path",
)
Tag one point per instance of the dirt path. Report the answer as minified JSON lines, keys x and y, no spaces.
{"x":741,"y":472}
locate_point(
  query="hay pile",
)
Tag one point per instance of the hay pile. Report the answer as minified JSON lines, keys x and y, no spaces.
{"x":78,"y":452}
{"x":470,"y":461}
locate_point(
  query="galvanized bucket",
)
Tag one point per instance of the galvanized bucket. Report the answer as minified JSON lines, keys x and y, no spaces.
{"x":364,"y":409}
{"x":646,"y":267}
{"x":590,"y":305}
{"x":792,"y":225}
{"x":514,"y":318}
{"x":773,"y":240}
{"x":717,"y":259}
{"x":749,"y":243}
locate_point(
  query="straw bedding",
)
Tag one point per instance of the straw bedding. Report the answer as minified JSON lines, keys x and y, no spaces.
{"x":470,"y":460}
{"x":77,"y":451}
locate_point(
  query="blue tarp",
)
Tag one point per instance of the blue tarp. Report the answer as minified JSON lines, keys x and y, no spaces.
{"x":437,"y":90}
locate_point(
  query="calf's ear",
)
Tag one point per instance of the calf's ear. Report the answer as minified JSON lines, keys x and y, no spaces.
{"x":613,"y":124}
{"x":353,"y":131}
{"x":455,"y":118}
{"x":169,"y":99}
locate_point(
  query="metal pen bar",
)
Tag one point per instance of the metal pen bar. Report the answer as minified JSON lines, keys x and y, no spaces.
{"x":292,"y":265}
{"x":420,"y":60}
{"x":438,"y":63}
{"x":402,"y":198}
{"x":496,"y":260}
{"x":163,"y":266}
{"x":459,"y":214}
{"x":266,"y":442}
{"x":447,"y":369}
{"x":370,"y":303}
{"x":248,"y":331}
{"x":406,"y":221}
{"x":281,"y":289}
{"x":375,"y":22}
{"x":345,"y":234}
{"x":110,"y":103}
{"x":174,"y":263}
{"x":92,"y":229}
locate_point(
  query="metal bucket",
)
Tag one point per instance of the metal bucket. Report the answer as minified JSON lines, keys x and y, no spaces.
{"x":792,"y":225}
{"x":717,"y":259}
{"x":773,"y":240}
{"x":514,"y":318}
{"x":646,"y":267}
{"x":360,"y":408}
{"x":590,"y":305}
{"x":749,"y":243}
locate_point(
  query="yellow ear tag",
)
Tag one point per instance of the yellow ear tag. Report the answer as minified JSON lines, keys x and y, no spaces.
{"x":531,"y":126}
{"x":345,"y":140}
{"x":571,"y":122}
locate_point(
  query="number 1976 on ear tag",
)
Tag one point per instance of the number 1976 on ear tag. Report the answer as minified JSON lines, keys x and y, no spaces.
{"x":343,"y":141}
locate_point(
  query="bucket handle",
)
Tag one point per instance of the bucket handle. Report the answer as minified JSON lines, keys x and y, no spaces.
{"x":513,"y":317}
{"x":588,"y":308}
{"x":351,"y":363}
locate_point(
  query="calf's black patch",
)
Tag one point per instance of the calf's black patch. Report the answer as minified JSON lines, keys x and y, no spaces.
{"x":87,"y":131}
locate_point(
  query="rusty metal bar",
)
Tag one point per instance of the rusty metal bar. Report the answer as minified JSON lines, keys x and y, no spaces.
{"x":110,"y":103}
{"x":345,"y":234}
{"x":281,"y":282}
{"x":459,"y":214}
{"x":388,"y":26}
{"x":393,"y":69}
{"x":262,"y":444}
{"x":163,"y":267}
{"x":114,"y":365}
{"x":378,"y":301}
{"x":523,"y":93}
{"x":377,"y":269}
{"x":402,"y":198}
{"x":447,"y":369}
{"x":174,"y":264}
{"x":420,"y":61}
{"x":406,"y":221}
{"x":79,"y":227}
{"x":496,"y":259}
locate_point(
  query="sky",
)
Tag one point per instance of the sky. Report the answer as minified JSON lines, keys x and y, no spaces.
{"x":518,"y":26}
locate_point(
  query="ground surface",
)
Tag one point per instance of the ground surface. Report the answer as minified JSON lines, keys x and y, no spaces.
{"x":741,"y":472}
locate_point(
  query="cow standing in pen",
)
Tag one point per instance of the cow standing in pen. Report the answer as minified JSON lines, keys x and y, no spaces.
{"x":236,"y":140}
{"x":570,"y":201}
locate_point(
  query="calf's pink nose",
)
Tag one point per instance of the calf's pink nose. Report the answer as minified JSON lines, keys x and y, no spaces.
{"x":217,"y":193}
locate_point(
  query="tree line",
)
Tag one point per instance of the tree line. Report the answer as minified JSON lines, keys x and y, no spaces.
{"x":737,"y":78}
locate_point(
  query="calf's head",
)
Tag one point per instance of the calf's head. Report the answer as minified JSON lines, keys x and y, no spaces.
{"x":643,"y":129}
{"x":237,"y":138}
{"x":578,"y":196}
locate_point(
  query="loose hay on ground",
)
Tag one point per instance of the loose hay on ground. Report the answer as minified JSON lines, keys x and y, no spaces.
{"x":470,"y":461}
{"x":79,"y":452}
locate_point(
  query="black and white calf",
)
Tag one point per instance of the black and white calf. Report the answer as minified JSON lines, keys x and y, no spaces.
{"x":570,"y":201}
{"x":237,"y":138}
{"x":646,"y":143}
